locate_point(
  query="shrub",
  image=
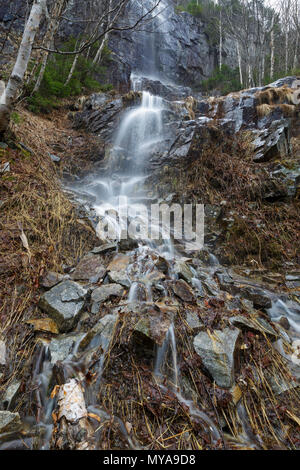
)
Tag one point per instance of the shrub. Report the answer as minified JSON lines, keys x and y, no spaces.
{"x":225,"y":80}
{"x":57,"y":70}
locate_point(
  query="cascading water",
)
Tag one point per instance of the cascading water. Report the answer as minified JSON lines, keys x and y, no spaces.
{"x":140,"y":131}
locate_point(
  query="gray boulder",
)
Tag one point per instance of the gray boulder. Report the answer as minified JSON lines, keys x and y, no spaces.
{"x":9,"y":422}
{"x":64,"y":303}
{"x":217,"y":354}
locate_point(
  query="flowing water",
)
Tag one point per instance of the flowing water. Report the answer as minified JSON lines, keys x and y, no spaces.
{"x":120,"y":191}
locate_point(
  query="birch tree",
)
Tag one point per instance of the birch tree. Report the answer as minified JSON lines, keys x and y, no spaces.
{"x":38,"y":9}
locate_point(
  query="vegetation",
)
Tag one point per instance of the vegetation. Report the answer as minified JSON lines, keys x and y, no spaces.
{"x":225,"y":81}
{"x":87,"y":77}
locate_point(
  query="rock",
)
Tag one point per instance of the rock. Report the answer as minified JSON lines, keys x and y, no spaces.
{"x":156,"y":87}
{"x":153,"y":324}
{"x":104,"y":248}
{"x":284,"y":322}
{"x":105,"y":292}
{"x":96,"y":101}
{"x":71,"y":402}
{"x":217,"y":352}
{"x":117,"y":270}
{"x":183,"y":291}
{"x":127,"y":244}
{"x":9,"y":422}
{"x":54,"y":158}
{"x":5,"y":168}
{"x":2,"y":353}
{"x":51,"y":279}
{"x":11,"y":394}
{"x":61,"y":347}
{"x":64,"y":303}
{"x":254,"y":323}
{"x":193,"y":321}
{"x":259,"y":299}
{"x":183,"y":271}
{"x":273,"y":142}
{"x":90,"y":268}
{"x":104,"y":327}
{"x":44,"y":324}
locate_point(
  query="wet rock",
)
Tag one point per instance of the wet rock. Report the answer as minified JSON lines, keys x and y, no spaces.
{"x":10,"y":395}
{"x":117,"y":270}
{"x":89,"y":268}
{"x":273,"y":142}
{"x":183,"y":271}
{"x":44,"y":324}
{"x":259,"y":299}
{"x":104,"y":327}
{"x":254,"y":323}
{"x":51,"y":279}
{"x":104,"y":248}
{"x":9,"y":422}
{"x":64,"y":303}
{"x":217,"y":352}
{"x":105,"y":292}
{"x":183,"y":291}
{"x":127,"y":244}
{"x":167,"y":91}
{"x":153,"y":324}
{"x":61,"y":347}
{"x":193,"y":321}
{"x":284,"y":322}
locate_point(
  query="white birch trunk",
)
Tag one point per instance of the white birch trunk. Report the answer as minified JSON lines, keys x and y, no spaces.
{"x":272,"y":50}
{"x":221,"y":41}
{"x":17,"y":76}
{"x":53,"y":26}
{"x":239,"y":62}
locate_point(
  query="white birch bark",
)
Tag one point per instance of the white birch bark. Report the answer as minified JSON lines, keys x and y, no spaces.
{"x":17,"y":76}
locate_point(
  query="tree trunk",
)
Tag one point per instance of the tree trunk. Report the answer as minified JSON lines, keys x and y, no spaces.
{"x":272,"y":50}
{"x":296,"y":51}
{"x":97,"y":57}
{"x":57,"y":10}
{"x":17,"y":76}
{"x":221,"y":41}
{"x":239,"y":62}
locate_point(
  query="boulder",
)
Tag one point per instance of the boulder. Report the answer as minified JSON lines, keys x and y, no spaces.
{"x":9,"y":422}
{"x":183,"y":291}
{"x":64,"y":303}
{"x":153,"y":325}
{"x":90,"y":268}
{"x":62,"y":346}
{"x":217,"y":351}
{"x":104,"y":328}
{"x":51,"y":279}
{"x":254,"y":323}
{"x":105,"y":292}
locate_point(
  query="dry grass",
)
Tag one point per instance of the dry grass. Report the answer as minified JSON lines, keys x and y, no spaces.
{"x":52,"y":234}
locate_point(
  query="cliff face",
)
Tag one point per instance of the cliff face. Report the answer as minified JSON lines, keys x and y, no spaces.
{"x":178,"y":47}
{"x":181,"y":48}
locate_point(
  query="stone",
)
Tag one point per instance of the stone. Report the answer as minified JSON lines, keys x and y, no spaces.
{"x":104,"y":248}
{"x":2,"y":353}
{"x":62,"y":346}
{"x":44,"y":324}
{"x":117,"y":270}
{"x":54,"y":158}
{"x":183,"y":291}
{"x":9,"y":422}
{"x":64,"y":304}
{"x":5,"y":168}
{"x":217,"y":351}
{"x":254,"y":323}
{"x":71,"y":403}
{"x":183,"y":271}
{"x":90,"y":267}
{"x":193,"y":321}
{"x":153,"y":324}
{"x":52,"y":278}
{"x":104,"y":327}
{"x":284,"y":322}
{"x":11,"y":394}
{"x":127,"y":244}
{"x":103,"y":293}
